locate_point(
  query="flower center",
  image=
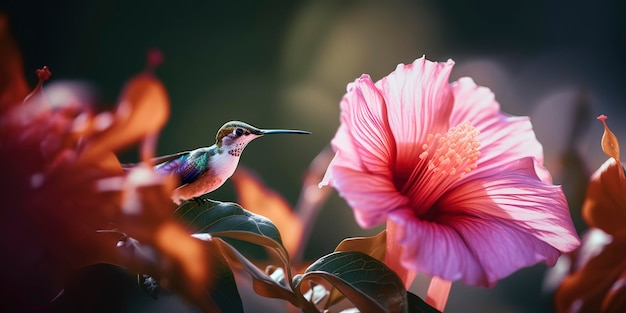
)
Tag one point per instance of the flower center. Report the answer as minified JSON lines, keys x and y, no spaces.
{"x":456,"y":151}
{"x":446,"y":158}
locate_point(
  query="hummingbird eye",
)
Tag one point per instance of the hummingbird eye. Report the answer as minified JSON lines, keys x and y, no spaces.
{"x":238,"y":132}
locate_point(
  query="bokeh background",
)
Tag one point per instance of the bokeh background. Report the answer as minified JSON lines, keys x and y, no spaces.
{"x":285,"y":64}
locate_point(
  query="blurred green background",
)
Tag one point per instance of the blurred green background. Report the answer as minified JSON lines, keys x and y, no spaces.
{"x":285,"y":64}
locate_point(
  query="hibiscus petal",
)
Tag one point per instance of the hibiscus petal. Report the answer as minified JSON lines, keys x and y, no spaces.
{"x":345,"y":156}
{"x":434,"y":249}
{"x":503,"y":138}
{"x":419,"y":101}
{"x":514,"y":195}
{"x":487,"y":229}
{"x":364,"y":114}
{"x":477,"y":250}
{"x":369,"y":196}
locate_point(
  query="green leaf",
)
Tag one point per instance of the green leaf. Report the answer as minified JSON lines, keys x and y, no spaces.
{"x":417,"y":305}
{"x":263,"y":284}
{"x":230,"y":220}
{"x":374,"y":246}
{"x":367,"y":282}
{"x":223,"y":220}
{"x":224,"y":292}
{"x":216,"y":217}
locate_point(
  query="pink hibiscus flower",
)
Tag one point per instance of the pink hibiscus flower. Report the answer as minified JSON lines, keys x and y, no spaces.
{"x":462,"y":184}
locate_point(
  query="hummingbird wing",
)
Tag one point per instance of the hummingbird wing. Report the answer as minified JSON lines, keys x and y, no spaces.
{"x":188,"y":166}
{"x":157,"y":160}
{"x":169,"y":157}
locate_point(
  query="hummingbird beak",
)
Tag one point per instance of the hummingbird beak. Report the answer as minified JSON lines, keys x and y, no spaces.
{"x":283,"y":131}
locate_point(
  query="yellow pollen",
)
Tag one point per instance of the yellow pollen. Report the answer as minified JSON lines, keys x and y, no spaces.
{"x":444,"y":160}
{"x":455,"y":152}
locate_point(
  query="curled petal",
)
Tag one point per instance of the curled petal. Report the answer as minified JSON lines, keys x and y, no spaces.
{"x":487,"y":229}
{"x":605,"y":204}
{"x":419,"y":102}
{"x":370,"y":196}
{"x":143,"y":109}
{"x":425,"y":243}
{"x":364,"y":114}
{"x":516,"y":197}
{"x":345,"y":157}
{"x":503,"y":139}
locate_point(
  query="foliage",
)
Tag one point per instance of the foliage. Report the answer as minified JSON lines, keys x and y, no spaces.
{"x":354,"y":270}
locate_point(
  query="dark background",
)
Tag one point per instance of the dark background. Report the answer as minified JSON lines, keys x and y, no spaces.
{"x":285,"y":64}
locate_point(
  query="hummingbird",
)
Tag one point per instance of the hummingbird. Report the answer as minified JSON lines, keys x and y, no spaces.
{"x":205,"y":169}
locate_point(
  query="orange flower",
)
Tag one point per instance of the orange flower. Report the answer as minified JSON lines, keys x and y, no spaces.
{"x":61,"y":183}
{"x":598,"y":274}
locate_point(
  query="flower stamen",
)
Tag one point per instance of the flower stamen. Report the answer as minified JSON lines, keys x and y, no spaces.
{"x":446,"y":158}
{"x":43,"y":75}
{"x":610,"y":144}
{"x":456,"y":150}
